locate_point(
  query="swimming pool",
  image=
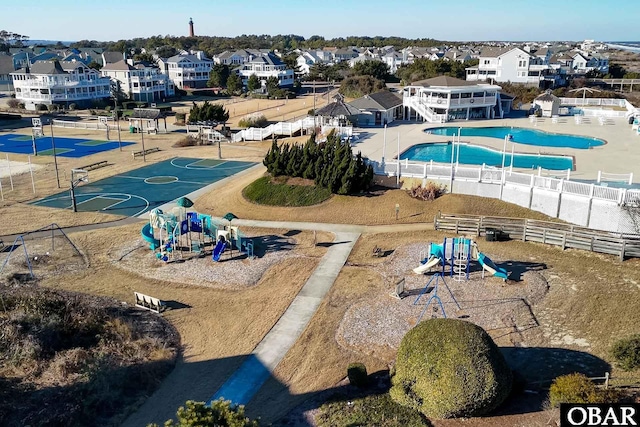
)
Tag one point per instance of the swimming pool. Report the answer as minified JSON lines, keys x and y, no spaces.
{"x":523,"y":136}
{"x":474,"y":155}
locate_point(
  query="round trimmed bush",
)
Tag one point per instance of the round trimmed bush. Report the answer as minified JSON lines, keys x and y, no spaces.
{"x":357,"y":374}
{"x":449,"y":368}
{"x":627,"y":353}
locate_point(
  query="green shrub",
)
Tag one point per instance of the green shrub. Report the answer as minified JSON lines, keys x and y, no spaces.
{"x":264,"y":192}
{"x":41,"y":107}
{"x":255,"y":120}
{"x":577,"y":388}
{"x":180,"y":117}
{"x":73,"y":106}
{"x":330,"y":164}
{"x":357,"y":86}
{"x":357,"y":374}
{"x":371,"y":410}
{"x":220,"y":413}
{"x":627,"y":353}
{"x":450,"y":368}
{"x":13,"y":103}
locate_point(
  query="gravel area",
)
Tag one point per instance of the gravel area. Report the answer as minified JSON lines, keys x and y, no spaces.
{"x":377,"y":324}
{"x":230,"y":273}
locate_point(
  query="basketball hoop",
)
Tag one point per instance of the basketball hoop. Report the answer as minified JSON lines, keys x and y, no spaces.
{"x":77,"y":176}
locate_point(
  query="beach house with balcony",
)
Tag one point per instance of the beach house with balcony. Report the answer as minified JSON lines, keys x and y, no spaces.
{"x":140,"y":82}
{"x":514,"y":65}
{"x":190,"y":71}
{"x":265,"y":66}
{"x":444,"y":98}
{"x":62,"y":83}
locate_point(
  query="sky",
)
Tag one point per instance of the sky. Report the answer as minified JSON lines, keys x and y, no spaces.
{"x":453,"y":20}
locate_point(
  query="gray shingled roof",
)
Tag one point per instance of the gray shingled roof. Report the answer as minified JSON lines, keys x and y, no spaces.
{"x":494,"y":52}
{"x":72,"y":65}
{"x":46,"y":67}
{"x":121,"y":65}
{"x":6,"y":64}
{"x":337,"y":108}
{"x":443,"y":81}
{"x":268,"y":58}
{"x":384,"y":100}
{"x":192,"y":58}
{"x":112,"y":57}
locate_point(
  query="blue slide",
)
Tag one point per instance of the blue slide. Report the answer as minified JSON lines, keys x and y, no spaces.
{"x":488,"y":265}
{"x":147,"y":234}
{"x":219,"y":249}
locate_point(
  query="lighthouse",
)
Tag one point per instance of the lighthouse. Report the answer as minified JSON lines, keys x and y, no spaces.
{"x":191,"y":27}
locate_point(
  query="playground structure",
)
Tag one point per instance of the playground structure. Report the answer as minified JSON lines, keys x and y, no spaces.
{"x":173,"y":234}
{"x":457,"y":254}
{"x":36,"y":250}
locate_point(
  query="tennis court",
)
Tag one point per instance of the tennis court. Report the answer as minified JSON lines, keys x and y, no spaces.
{"x":65,"y":147}
{"x":135,"y":192}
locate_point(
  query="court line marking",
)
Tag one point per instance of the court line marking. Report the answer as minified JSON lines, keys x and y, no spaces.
{"x":179,"y":180}
{"x":131,"y":196}
{"x":187,"y":166}
{"x":105,"y":198}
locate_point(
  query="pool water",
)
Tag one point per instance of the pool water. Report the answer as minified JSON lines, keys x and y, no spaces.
{"x":523,"y":136}
{"x":474,"y":155}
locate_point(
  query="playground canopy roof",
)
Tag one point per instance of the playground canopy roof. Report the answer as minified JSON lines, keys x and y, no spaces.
{"x":147,"y":113}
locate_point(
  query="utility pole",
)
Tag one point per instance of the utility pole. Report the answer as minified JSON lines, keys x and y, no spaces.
{"x":144,"y":154}
{"x":53,"y":147}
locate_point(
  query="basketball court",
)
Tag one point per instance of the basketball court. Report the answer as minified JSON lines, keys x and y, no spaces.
{"x":65,"y":147}
{"x":137,"y":191}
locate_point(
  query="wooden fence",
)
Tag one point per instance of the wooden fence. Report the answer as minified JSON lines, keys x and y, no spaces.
{"x":552,"y":233}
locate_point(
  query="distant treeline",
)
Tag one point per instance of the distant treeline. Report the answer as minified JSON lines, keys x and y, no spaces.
{"x":216,"y":45}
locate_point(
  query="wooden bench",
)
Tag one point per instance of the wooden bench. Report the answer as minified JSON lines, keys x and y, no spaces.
{"x":95,"y":165}
{"x":145,"y":152}
{"x":149,"y":303}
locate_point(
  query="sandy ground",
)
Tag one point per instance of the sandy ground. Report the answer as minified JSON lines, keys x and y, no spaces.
{"x":217,"y":326}
{"x":562,"y":341}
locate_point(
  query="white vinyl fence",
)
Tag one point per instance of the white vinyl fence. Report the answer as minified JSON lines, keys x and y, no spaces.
{"x":588,"y":205}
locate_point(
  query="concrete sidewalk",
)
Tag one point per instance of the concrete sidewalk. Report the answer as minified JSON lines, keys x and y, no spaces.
{"x":253,"y":373}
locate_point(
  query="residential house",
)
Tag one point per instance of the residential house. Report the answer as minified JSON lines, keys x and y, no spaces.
{"x":446,"y":98}
{"x":393,"y":60}
{"x":111,"y":57}
{"x":378,"y":109}
{"x":189,"y":71}
{"x":6,"y":68}
{"x":583,"y":63}
{"x":237,"y":57}
{"x":344,"y":54}
{"x":306,"y":60}
{"x":513,"y":65}
{"x":265,"y":66}
{"x":140,"y":82}
{"x":55,"y":82}
{"x":457,"y":55}
{"x":337,"y":113}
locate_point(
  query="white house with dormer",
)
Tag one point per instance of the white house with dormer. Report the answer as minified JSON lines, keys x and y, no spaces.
{"x":187,"y":71}
{"x":62,"y":83}
{"x":140,"y":82}
{"x":265,"y":66}
{"x":306,"y":60}
{"x":513,"y":65}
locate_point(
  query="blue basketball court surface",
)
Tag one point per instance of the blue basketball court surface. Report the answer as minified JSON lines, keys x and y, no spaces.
{"x":139,"y":190}
{"x":65,"y":147}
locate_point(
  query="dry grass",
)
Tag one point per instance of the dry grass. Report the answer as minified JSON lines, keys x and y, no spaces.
{"x":216,"y":326}
{"x":592,"y":299}
{"x":370,"y":209}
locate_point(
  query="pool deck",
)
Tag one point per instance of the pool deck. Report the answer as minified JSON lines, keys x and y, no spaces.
{"x":621,"y":154}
